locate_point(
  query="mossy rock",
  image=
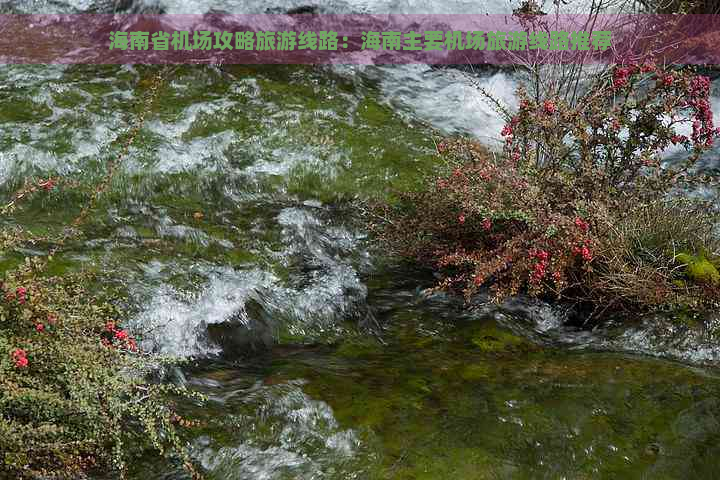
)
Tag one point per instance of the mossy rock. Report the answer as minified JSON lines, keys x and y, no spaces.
{"x":699,"y":269}
{"x":493,"y":339}
{"x":685,"y":316}
{"x":358,"y":348}
{"x":475,"y":372}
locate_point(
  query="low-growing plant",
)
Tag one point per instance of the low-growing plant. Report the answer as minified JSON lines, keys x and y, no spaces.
{"x":74,"y":390}
{"x":647,"y":255}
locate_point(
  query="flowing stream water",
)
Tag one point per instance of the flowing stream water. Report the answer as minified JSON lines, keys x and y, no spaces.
{"x":233,"y":230}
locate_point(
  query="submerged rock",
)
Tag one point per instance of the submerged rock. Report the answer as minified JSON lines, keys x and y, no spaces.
{"x":489,"y":338}
{"x":301,"y":9}
{"x":247,"y":332}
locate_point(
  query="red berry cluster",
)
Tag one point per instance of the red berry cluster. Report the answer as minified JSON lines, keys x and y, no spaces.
{"x":19,"y":356}
{"x":582,"y":224}
{"x":20,"y":294}
{"x":48,"y":184}
{"x":583,"y":251}
{"x":114,"y":336}
{"x":543,"y":258}
{"x":549,"y":107}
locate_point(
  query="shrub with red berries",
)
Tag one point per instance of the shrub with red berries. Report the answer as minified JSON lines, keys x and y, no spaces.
{"x":614,"y":138}
{"x":64,"y":384}
{"x":577,"y":205}
{"x":486,"y":222}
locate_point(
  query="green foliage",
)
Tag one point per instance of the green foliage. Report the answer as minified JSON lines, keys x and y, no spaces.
{"x":493,"y":339}
{"x":485,"y":221}
{"x":81,"y":397}
{"x":611,"y":143}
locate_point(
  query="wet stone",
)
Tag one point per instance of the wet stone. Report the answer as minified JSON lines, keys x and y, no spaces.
{"x":245,"y":333}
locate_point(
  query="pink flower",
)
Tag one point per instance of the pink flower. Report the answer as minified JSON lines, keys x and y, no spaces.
{"x":461,"y":218}
{"x":549,"y":107}
{"x":584,"y":251}
{"x":539,"y":268}
{"x":668,"y":79}
{"x":538,"y":272}
{"x":582,"y":224}
{"x":506,"y":131}
{"x":39,"y":327}
{"x":647,"y":67}
{"x":486,"y":224}
{"x":542,"y":255}
{"x":700,"y":86}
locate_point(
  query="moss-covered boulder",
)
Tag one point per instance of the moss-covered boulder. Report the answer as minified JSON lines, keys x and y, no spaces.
{"x":490,"y":338}
{"x":699,"y":269}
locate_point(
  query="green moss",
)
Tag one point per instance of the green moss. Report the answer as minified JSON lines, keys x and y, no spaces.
{"x":699,"y":269}
{"x":372,"y":113}
{"x":704,"y":272}
{"x":490,"y":338}
{"x":475,"y":372}
{"x":23,"y":110}
{"x":358,"y":348}
{"x":62,"y":265}
{"x":418,"y":385}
